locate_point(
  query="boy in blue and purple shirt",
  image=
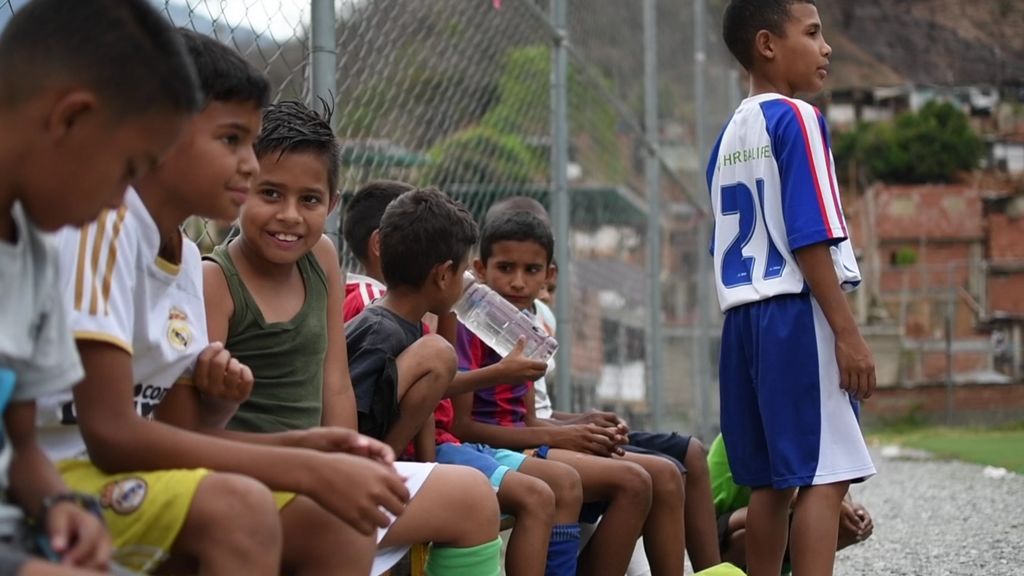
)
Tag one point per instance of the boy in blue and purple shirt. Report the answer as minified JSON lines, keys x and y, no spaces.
{"x":501,"y":404}
{"x":515,"y":257}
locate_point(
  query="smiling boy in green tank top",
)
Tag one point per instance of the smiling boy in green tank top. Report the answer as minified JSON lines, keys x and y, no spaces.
{"x":274,"y":296}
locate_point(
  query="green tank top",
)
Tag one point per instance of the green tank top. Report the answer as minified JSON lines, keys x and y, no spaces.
{"x":286,"y":358}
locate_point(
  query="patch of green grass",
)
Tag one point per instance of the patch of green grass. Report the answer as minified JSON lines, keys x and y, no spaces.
{"x":1001,"y":446}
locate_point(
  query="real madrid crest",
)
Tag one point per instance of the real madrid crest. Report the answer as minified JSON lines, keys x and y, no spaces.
{"x":179,"y":333}
{"x":124,"y":496}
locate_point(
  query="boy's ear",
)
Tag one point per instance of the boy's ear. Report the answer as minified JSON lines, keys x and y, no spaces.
{"x":334,"y":201}
{"x":479,"y":267}
{"x":69,"y":110}
{"x":374,"y":247}
{"x":552,"y":273}
{"x":764,"y":45}
{"x":439,"y":275}
{"x":445,"y":273}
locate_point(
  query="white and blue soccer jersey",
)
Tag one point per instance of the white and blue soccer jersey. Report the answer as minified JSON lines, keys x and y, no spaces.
{"x":785,"y":420}
{"x":773,"y":191}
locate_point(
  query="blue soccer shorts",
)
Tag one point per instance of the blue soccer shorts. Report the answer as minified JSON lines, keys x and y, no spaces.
{"x":495,"y":463}
{"x":785,"y":420}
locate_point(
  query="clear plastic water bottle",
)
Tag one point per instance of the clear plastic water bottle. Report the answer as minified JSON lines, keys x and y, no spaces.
{"x":499,"y":323}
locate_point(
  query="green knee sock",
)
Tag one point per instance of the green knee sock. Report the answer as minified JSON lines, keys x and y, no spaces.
{"x":482,"y":560}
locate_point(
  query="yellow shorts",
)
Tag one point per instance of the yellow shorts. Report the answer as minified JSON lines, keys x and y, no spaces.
{"x":142,"y":509}
{"x":283,"y":499}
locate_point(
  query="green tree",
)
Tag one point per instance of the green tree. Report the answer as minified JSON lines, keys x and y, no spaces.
{"x":481,"y":155}
{"x":932,"y":145}
{"x":523,"y":107}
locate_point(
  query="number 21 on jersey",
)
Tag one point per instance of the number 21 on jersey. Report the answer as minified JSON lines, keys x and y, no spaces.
{"x":738,"y":268}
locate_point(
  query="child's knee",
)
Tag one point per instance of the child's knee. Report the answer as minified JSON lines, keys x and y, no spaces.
{"x":235,"y":507}
{"x":438,"y":353}
{"x":696,"y":456}
{"x":435,"y":357}
{"x":472,"y":496}
{"x":666,"y":479}
{"x":528,"y":496}
{"x":633,"y":483}
{"x":566,"y":484}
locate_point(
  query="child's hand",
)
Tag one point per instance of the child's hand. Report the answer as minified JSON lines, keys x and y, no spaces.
{"x":516,"y":366}
{"x":220,"y":377}
{"x":587,"y":438}
{"x":856,"y":520}
{"x":78,"y":537}
{"x":334,"y":439}
{"x":605,"y":420}
{"x":367,"y":487}
{"x":856,"y":365}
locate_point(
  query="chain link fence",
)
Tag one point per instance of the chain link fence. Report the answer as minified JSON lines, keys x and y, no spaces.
{"x":457,"y":93}
{"x":273,"y":36}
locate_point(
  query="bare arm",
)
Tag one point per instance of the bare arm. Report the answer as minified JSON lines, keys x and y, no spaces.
{"x":593,"y":437}
{"x":181,"y":409}
{"x":515,"y":366}
{"x":589,"y":438}
{"x":470,"y":430}
{"x":220,"y":307}
{"x":119,"y":440}
{"x":339,"y":400}
{"x":32,"y":476}
{"x":856,"y":363}
{"x":74,"y":533}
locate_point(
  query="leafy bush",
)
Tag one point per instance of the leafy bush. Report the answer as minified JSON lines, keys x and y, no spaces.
{"x":932,"y":145}
{"x":481,"y":155}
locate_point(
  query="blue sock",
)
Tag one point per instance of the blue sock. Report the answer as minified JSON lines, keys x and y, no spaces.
{"x":563,"y":550}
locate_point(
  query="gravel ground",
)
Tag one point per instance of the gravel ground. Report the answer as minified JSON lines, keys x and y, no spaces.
{"x":938,"y":518}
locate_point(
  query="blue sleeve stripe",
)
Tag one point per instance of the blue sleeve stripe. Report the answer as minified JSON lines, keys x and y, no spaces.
{"x":712,"y":165}
{"x":713,"y":160}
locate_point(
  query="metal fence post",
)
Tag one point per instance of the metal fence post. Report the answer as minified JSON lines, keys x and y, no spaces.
{"x":702,"y":345}
{"x":948,"y":323}
{"x":653,"y":173}
{"x":323,"y":54}
{"x":560,"y":199}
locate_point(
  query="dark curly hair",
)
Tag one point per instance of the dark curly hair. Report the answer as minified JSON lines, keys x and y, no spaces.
{"x":291,"y":126}
{"x":364,"y":211}
{"x":419,"y":230}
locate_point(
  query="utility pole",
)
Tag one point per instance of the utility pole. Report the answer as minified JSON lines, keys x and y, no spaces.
{"x":560,"y":200}
{"x":655,"y":342}
{"x":701,"y":342}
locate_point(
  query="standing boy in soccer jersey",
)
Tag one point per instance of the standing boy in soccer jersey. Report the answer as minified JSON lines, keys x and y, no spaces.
{"x":793,"y":363}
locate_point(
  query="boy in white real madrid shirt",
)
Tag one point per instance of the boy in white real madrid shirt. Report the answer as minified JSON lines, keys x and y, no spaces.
{"x":134,"y":286}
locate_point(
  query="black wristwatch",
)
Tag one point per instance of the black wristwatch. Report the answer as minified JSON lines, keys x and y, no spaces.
{"x":87,"y":502}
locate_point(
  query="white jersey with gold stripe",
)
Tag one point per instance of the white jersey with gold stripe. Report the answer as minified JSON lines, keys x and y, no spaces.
{"x":119,"y":291}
